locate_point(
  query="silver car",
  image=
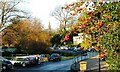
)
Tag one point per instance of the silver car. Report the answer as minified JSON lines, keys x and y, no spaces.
{"x":23,"y":60}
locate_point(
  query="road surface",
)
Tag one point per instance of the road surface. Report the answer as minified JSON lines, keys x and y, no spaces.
{"x":50,"y":66}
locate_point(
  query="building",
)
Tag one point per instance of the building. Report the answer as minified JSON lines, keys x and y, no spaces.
{"x":78,"y":39}
{"x":49,"y":28}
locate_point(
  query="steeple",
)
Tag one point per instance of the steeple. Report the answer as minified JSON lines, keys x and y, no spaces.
{"x":49,"y":28}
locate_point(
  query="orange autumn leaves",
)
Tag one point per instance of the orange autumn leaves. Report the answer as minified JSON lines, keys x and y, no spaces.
{"x":99,"y":24}
{"x":75,"y":8}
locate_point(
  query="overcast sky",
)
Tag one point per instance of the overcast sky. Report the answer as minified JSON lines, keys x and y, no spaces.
{"x":41,"y":9}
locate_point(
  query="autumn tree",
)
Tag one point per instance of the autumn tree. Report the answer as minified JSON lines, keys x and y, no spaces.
{"x":28,"y":35}
{"x":40,"y":37}
{"x":17,"y":31}
{"x":102,"y":25}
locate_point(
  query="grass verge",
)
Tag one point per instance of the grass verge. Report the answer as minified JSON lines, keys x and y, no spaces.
{"x":67,"y":57}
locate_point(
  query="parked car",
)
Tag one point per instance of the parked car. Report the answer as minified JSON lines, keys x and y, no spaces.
{"x":83,"y":52}
{"x":71,"y":49}
{"x":75,"y":48}
{"x":55,"y":57}
{"x":43,"y":58}
{"x":6,"y":64}
{"x":91,"y":50}
{"x":9,"y":58}
{"x":64,"y":48}
{"x":24,"y":61}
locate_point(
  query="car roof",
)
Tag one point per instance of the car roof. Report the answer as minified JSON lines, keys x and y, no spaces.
{"x":55,"y":54}
{"x":22,"y":57}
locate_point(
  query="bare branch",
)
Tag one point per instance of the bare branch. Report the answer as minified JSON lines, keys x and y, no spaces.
{"x":10,"y":12}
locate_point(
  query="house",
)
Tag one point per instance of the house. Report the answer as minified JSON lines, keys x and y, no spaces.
{"x":78,"y":39}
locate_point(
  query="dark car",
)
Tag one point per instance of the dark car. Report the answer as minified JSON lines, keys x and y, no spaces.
{"x":33,"y":60}
{"x":6,"y":64}
{"x":55,"y":57}
{"x":91,"y":50}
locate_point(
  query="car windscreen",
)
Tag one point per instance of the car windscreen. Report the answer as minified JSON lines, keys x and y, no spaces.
{"x":54,"y":55}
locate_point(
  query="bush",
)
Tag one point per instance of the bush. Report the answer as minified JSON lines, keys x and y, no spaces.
{"x":71,"y":45}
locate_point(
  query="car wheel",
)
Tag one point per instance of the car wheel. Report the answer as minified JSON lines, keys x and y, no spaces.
{"x":4,"y":67}
{"x":59,"y":59}
{"x":56,"y":59}
{"x":39,"y":62}
{"x":23,"y":64}
{"x":49,"y":60}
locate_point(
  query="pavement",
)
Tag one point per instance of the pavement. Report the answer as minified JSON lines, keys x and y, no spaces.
{"x":92,"y":65}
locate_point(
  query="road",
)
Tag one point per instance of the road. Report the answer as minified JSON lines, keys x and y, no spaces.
{"x":48,"y":66}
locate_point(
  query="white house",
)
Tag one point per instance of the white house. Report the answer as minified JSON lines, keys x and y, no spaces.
{"x":78,"y":39}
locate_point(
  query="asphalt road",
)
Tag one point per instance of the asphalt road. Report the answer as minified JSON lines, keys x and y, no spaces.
{"x":52,"y":66}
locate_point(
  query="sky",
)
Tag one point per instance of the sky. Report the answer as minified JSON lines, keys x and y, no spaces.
{"x":41,"y":9}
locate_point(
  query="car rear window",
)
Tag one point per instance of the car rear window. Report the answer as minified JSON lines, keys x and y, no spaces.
{"x":22,"y":59}
{"x":55,"y":55}
{"x":32,"y":58}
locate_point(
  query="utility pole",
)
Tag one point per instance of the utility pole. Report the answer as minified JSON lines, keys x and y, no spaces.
{"x":99,"y":59}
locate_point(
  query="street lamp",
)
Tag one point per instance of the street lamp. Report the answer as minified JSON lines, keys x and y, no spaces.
{"x":99,"y":47}
{"x":99,"y":59}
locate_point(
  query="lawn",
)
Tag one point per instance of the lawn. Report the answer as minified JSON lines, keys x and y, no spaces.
{"x":67,"y":57}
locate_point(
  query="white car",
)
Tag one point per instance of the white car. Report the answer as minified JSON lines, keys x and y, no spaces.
{"x":23,"y":60}
{"x":64,"y":48}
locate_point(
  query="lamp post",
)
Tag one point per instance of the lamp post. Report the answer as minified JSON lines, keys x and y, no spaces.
{"x":99,"y":59}
{"x":99,"y":47}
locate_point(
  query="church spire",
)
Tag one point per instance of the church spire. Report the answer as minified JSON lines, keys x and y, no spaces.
{"x":49,"y":28}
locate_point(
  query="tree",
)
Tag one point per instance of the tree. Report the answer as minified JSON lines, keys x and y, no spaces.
{"x":102,"y":25}
{"x":27,"y":35}
{"x":63,"y":16}
{"x":9,"y":12}
{"x":16,"y":33}
{"x":56,"y":40}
